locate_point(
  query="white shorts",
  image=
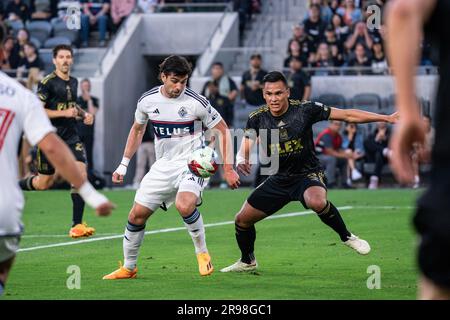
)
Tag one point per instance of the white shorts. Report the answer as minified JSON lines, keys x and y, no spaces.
{"x":8,"y":247}
{"x":164,"y":180}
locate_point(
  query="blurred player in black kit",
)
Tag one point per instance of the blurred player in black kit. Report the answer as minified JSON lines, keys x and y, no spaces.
{"x":406,"y":21}
{"x":58,"y":92}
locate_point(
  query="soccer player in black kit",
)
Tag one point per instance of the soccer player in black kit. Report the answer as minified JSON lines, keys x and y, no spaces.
{"x":58,"y":92}
{"x":300,"y":176}
{"x":405,"y":21}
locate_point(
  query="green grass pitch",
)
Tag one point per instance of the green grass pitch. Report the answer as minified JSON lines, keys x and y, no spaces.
{"x":299,"y":257}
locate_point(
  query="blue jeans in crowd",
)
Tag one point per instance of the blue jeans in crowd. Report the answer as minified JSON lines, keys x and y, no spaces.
{"x":85,"y":27}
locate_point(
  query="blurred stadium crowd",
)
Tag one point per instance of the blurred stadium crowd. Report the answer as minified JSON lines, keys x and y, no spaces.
{"x":333,"y":38}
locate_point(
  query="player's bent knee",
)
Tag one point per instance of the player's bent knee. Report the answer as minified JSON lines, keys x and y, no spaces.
{"x":316,"y":204}
{"x":139,"y":215}
{"x":185,"y":208}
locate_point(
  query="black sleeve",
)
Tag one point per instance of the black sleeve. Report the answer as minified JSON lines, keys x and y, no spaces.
{"x":316,"y":111}
{"x":232,"y":84}
{"x":95,"y":102}
{"x":43,"y":92}
{"x":306,"y":79}
{"x":252,"y":127}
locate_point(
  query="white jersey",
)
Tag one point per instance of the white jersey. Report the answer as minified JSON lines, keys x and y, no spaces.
{"x":177,"y":122}
{"x":20,"y":111}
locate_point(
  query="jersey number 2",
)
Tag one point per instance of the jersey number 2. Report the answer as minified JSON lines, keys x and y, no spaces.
{"x":6,"y":117}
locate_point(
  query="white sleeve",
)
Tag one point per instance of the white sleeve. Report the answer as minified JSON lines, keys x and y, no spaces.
{"x":140,"y":116}
{"x":36,"y":123}
{"x":208,"y":115}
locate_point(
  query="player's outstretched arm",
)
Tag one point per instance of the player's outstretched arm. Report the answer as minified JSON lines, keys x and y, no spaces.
{"x":360,"y":116}
{"x":63,"y":160}
{"x":243,"y":164}
{"x":405,"y":19}
{"x":225,"y":145}
{"x":133,"y":142}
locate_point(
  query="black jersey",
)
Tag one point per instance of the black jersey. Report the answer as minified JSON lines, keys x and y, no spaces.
{"x":59,"y":94}
{"x":438,"y":32}
{"x":295,"y":148}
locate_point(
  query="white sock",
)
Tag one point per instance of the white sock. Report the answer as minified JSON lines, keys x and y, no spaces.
{"x":194,"y":225}
{"x":132,"y":241}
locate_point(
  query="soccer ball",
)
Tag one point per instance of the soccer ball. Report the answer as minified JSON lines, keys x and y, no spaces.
{"x":202,"y":162}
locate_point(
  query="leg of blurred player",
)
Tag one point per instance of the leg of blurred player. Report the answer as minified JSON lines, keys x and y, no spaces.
{"x":185,"y":203}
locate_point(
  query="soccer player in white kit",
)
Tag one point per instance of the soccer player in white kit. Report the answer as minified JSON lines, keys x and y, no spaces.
{"x":21,"y":111}
{"x":177,"y":114}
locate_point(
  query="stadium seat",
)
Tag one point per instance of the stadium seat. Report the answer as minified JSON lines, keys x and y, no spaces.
{"x":332,"y":99}
{"x":367,"y":101}
{"x":40,"y":30}
{"x":47,"y":58}
{"x":52,"y":42}
{"x":60,"y":30}
{"x":15,"y":26}
{"x":36,"y":42}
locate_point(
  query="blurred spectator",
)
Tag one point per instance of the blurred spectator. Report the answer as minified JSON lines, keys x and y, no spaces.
{"x":305,"y":41}
{"x":325,"y":11}
{"x":94,"y":12}
{"x":314,"y":26}
{"x":10,"y":57}
{"x":299,"y":81}
{"x":244,"y":9}
{"x":335,"y":45}
{"x":226,"y":86}
{"x":90,"y":104}
{"x":334,"y":5}
{"x":353,"y":143}
{"x":377,"y":151}
{"x":251,"y":85}
{"x":341,"y":30}
{"x":360,"y":60}
{"x":422,"y":153}
{"x":41,"y":10}
{"x":323,"y":60}
{"x":379,"y":62}
{"x":349,"y":13}
{"x":23,"y":37}
{"x":145,"y":156}
{"x":220,"y":102}
{"x":17,"y":10}
{"x":148,"y":6}
{"x":360,"y":35}
{"x":31,"y":65}
{"x":2,"y":12}
{"x":120,"y":9}
{"x":294,"y":51}
{"x":330,"y":153}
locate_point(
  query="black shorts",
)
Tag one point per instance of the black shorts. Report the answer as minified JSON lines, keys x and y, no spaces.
{"x":45,"y":167}
{"x":434,"y":248}
{"x":277,"y":191}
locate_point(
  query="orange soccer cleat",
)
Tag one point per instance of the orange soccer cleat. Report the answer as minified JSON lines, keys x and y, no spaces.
{"x":205,"y":266}
{"x":121,"y":273}
{"x":81,"y":230}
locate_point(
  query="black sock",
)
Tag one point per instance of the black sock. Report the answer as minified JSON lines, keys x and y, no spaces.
{"x":246,"y":241}
{"x":78,"y":208}
{"x":331,"y":217}
{"x":27,"y":183}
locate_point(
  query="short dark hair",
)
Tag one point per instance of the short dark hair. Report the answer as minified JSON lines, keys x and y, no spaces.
{"x":256,"y":56}
{"x":217,"y":63}
{"x":274,"y":76}
{"x":177,"y":65}
{"x":2,"y":33}
{"x":60,"y":47}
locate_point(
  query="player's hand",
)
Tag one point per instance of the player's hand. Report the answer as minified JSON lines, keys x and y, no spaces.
{"x":105,"y":209}
{"x":71,"y":113}
{"x":244,"y":168}
{"x":88,"y":119}
{"x":394,"y":118}
{"x":402,"y":146}
{"x":119,"y":174}
{"x":232,"y":178}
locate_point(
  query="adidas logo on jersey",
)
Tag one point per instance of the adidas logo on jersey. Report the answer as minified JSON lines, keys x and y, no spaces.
{"x":156,"y":111}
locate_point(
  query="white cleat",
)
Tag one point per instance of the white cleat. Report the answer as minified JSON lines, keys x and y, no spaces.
{"x":240,"y":266}
{"x":361,"y":246}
